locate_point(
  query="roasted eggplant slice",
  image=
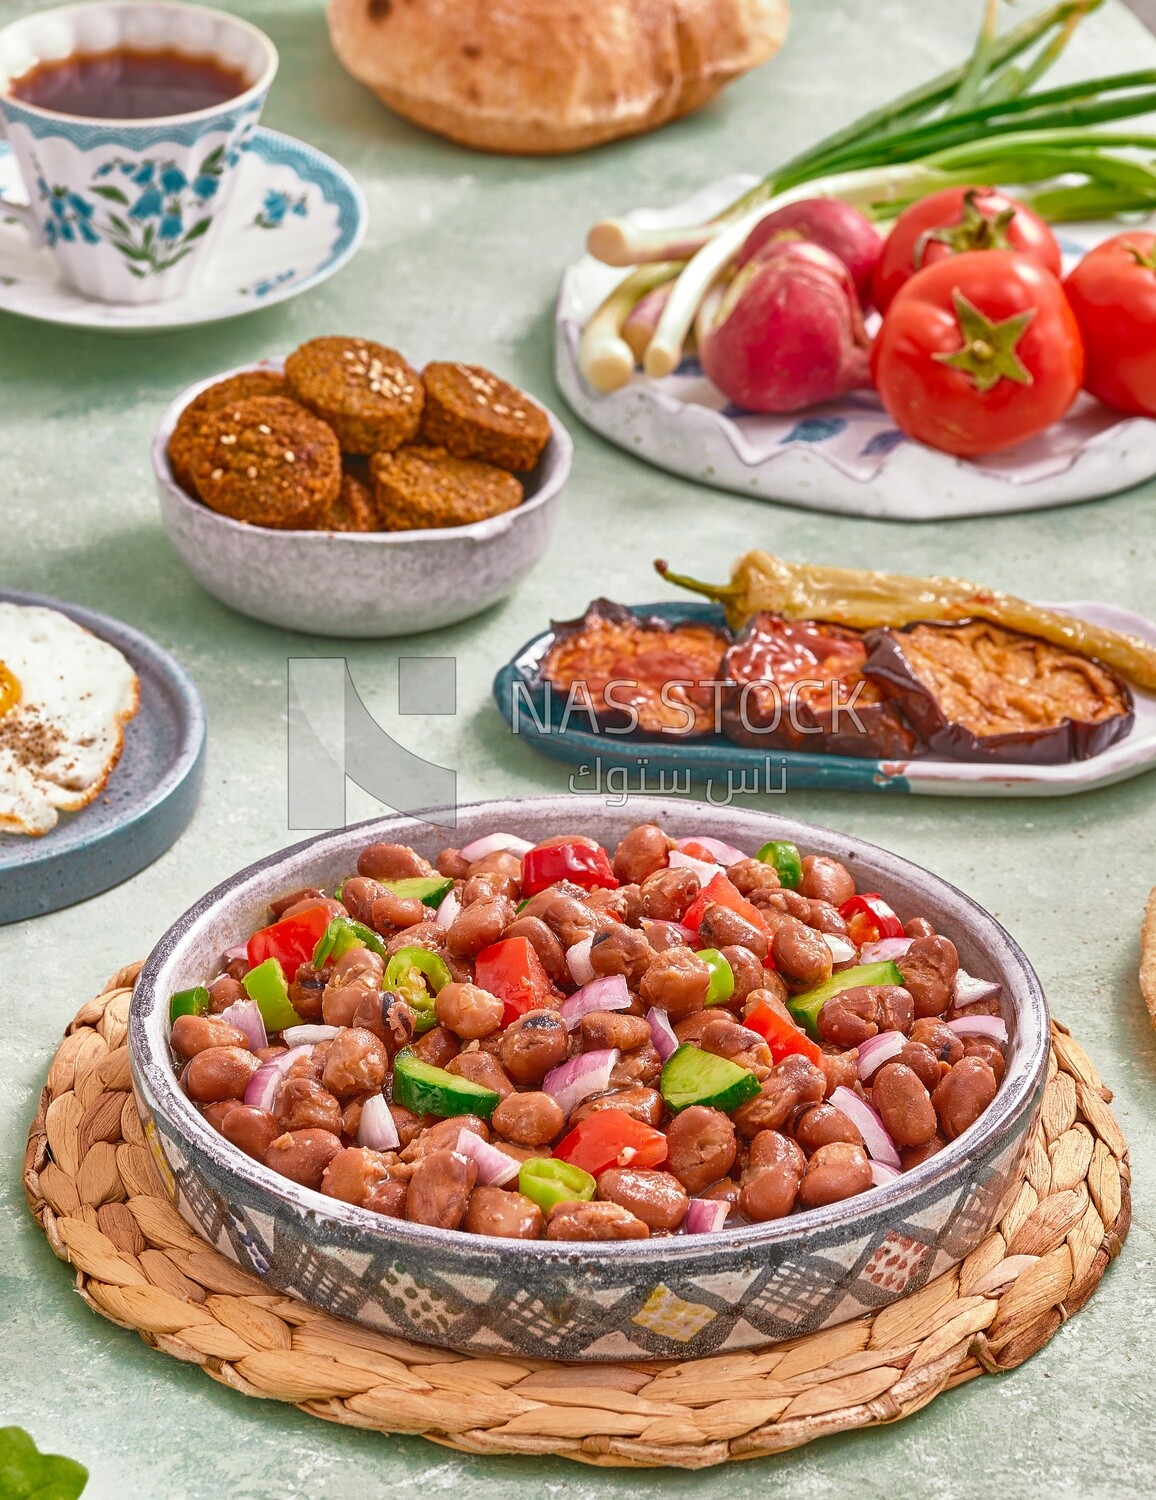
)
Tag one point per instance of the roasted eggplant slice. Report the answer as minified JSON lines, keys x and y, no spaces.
{"x":977,"y":691}
{"x":799,"y":685}
{"x":637,"y":673}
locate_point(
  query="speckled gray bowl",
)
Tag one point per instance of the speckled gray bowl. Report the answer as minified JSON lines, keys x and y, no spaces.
{"x":663,"y":1298}
{"x":353,"y":584}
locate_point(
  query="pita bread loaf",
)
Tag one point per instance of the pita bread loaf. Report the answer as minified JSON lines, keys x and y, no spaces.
{"x":545,"y":76}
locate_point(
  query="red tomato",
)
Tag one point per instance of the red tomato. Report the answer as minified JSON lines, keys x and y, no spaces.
{"x":612,"y":1138}
{"x":512,"y":970}
{"x":782,"y":1036}
{"x":978,"y":353}
{"x":290,"y":941}
{"x":720,"y":892}
{"x":953,"y":221}
{"x":1113,"y":295}
{"x":585,"y":864}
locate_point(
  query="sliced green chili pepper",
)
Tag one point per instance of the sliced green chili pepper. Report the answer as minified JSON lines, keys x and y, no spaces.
{"x":399,"y":971}
{"x":194,"y":1002}
{"x":806,"y":1007}
{"x":343,"y":935}
{"x":545,"y":1181}
{"x":266,"y":984}
{"x":413,"y":973}
{"x":785,"y":858}
{"x":722,"y":976}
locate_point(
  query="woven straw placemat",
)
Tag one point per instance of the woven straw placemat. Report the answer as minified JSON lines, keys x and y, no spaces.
{"x":93,"y":1189}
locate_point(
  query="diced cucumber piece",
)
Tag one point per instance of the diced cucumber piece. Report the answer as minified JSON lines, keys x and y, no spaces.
{"x":692,"y":1076}
{"x":431,"y":890}
{"x":806,"y":1007}
{"x":425,"y":1090}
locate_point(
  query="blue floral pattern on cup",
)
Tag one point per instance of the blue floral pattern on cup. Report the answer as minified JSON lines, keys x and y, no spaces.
{"x":148,"y":210}
{"x":277,"y":205}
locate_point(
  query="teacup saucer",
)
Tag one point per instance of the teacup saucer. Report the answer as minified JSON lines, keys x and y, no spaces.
{"x":295,"y":217}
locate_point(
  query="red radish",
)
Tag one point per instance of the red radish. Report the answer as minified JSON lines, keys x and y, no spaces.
{"x":788,"y":332}
{"x":836,"y":226}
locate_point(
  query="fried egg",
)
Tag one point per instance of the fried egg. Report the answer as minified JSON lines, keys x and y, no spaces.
{"x":65,"y":697}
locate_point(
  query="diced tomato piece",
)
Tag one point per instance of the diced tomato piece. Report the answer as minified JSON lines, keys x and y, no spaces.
{"x":581,"y":864}
{"x":290,"y":941}
{"x":720,"y":892}
{"x":783,"y":1037}
{"x":869,"y":919}
{"x":513,"y":971}
{"x":698,"y":851}
{"x":612,"y":1138}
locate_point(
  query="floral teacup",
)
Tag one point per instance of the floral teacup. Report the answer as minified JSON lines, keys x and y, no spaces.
{"x":130,"y":208}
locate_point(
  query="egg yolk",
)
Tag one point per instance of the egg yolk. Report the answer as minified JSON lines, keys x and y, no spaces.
{"x":9,"y":689}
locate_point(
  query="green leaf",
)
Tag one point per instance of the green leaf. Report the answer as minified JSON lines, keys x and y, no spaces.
{"x":149,"y":235}
{"x":119,"y":224}
{"x":212,"y":162}
{"x":28,"y":1474}
{"x":199,"y":228}
{"x":113,"y":194}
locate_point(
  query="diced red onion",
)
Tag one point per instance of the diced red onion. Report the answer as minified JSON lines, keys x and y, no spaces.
{"x":657,"y":924}
{"x":263,"y":1086}
{"x":881,"y":1174}
{"x":992,"y":1027}
{"x":680,"y":861}
{"x":238,"y":950}
{"x":588,"y":1073}
{"x":842,"y":952}
{"x":245,"y":1015}
{"x":609,"y":993}
{"x":661,"y":1032}
{"x":726,"y":854}
{"x":877,"y":1050}
{"x":970,"y":991}
{"x":493,"y":843}
{"x":448,"y":909}
{"x":377,"y":1128}
{"x":494,"y":1166}
{"x":705,"y":1215}
{"x":307,"y":1036}
{"x":878,"y":1144}
{"x":578,"y":961}
{"x":884,"y":950}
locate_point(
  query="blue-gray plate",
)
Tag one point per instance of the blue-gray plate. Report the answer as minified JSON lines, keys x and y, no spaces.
{"x":147,"y":801}
{"x":610,"y":764}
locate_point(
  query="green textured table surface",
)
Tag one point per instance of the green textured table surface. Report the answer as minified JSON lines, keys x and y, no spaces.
{"x":461,"y":261}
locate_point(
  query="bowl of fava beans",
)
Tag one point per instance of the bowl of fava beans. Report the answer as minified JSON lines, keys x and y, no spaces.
{"x":590,"y":1083}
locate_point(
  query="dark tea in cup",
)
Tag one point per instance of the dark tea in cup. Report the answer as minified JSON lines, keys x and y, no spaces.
{"x":127,"y":84}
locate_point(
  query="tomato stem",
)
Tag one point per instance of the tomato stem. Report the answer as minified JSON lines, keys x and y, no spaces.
{"x":988,"y":352}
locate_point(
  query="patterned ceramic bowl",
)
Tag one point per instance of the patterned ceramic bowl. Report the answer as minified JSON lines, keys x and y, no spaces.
{"x":377,"y":583}
{"x":663,"y":1298}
